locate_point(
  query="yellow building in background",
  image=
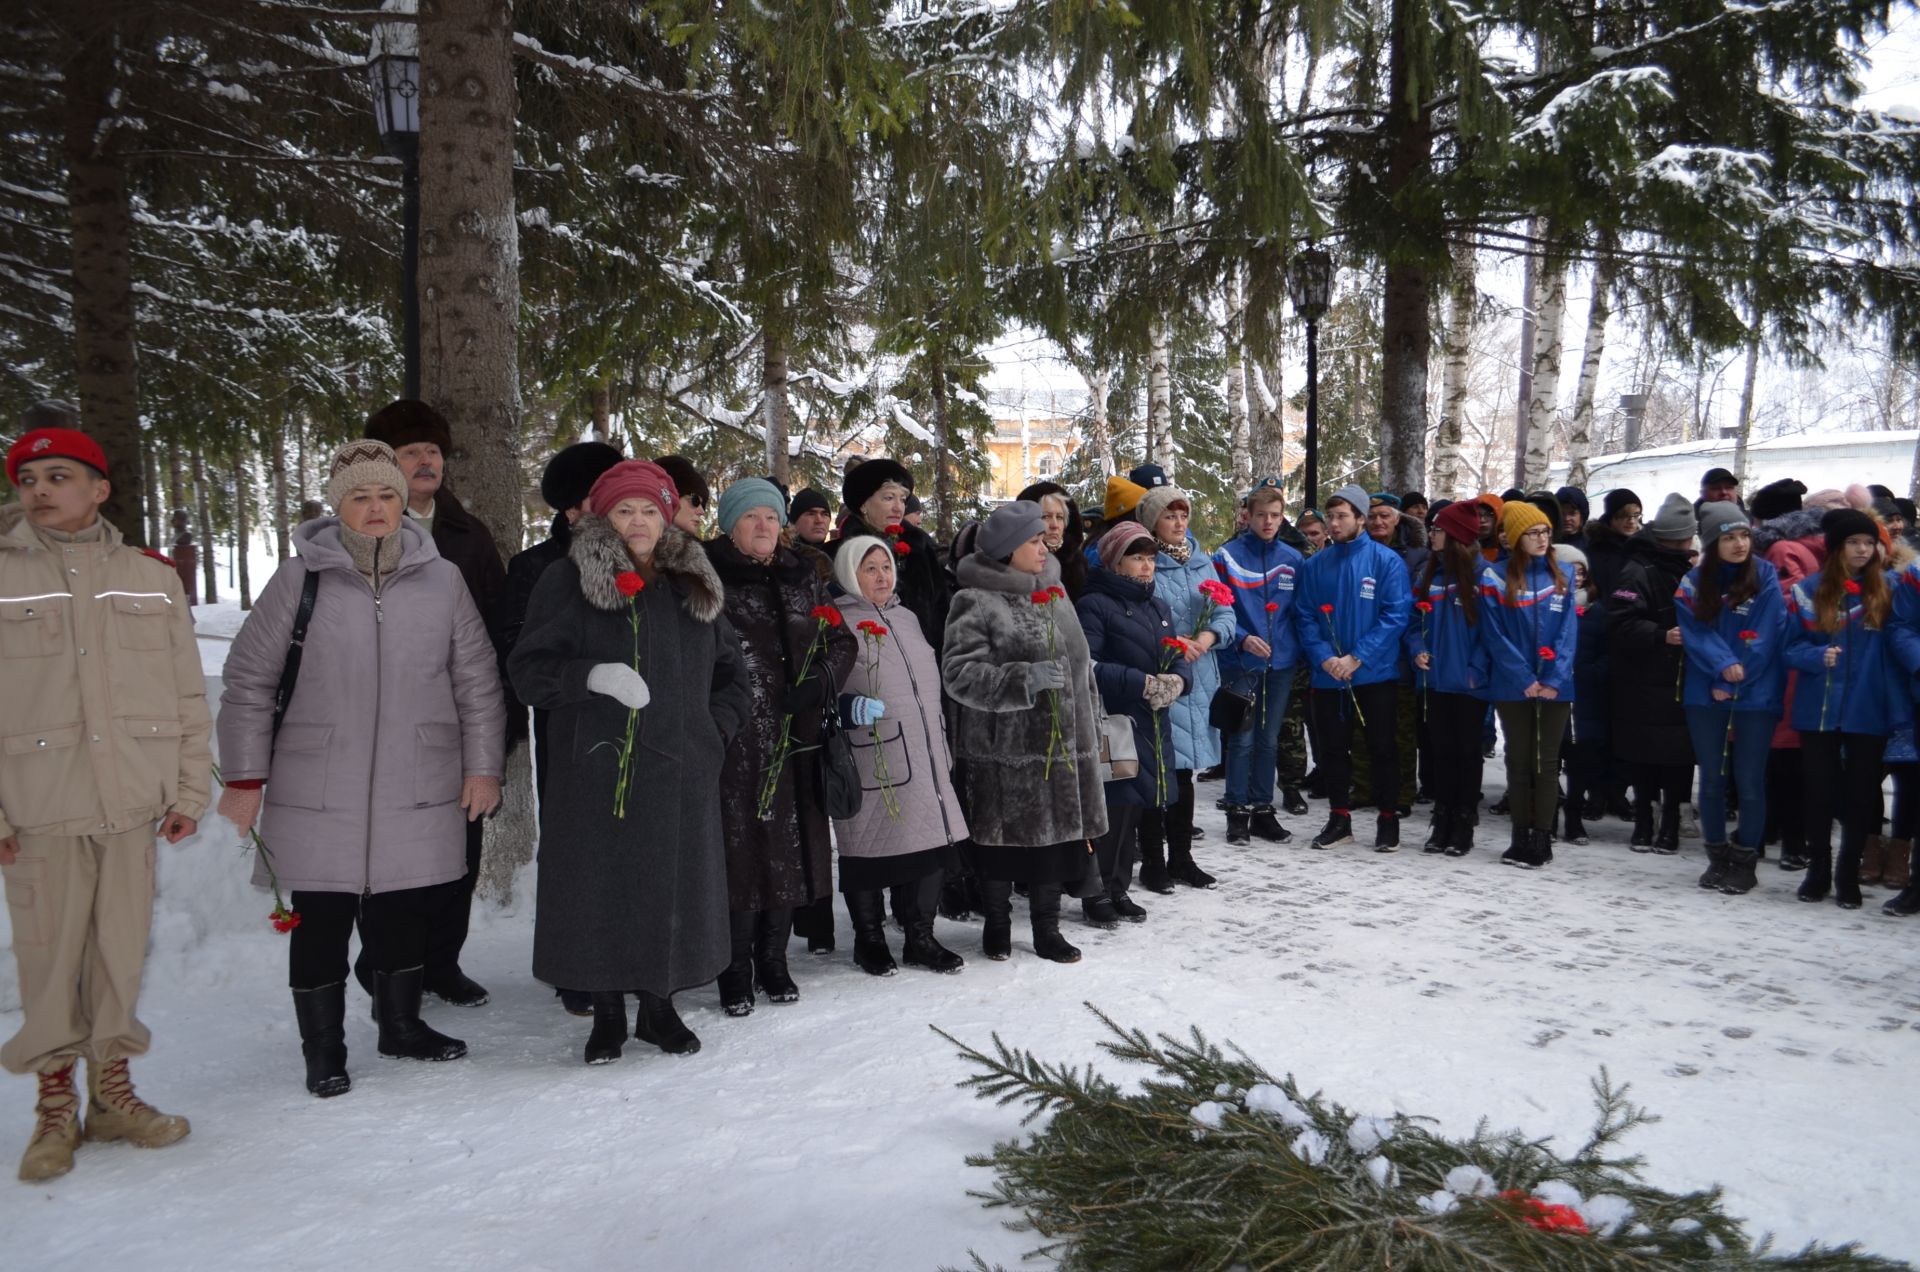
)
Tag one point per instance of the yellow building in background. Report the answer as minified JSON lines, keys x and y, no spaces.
{"x":1025,"y":450}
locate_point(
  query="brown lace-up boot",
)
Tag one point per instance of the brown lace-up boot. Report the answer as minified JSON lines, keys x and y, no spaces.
{"x":114,"y":1112}
{"x":49,"y":1152}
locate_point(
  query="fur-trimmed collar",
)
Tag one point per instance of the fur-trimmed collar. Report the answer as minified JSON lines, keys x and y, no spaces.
{"x":601,"y":557}
{"x":997,"y":576}
{"x":1801,"y":523}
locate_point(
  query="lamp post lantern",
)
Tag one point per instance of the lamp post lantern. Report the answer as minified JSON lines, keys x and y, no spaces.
{"x":394,"y":70}
{"x":1310,"y":285}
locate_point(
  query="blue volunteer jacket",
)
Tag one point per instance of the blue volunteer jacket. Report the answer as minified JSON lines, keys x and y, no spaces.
{"x":1905,"y":632}
{"x":1713,"y":647}
{"x":1367,"y":586}
{"x":1260,"y":572}
{"x":1864,"y":692}
{"x":1461,"y":663}
{"x":1540,"y":616}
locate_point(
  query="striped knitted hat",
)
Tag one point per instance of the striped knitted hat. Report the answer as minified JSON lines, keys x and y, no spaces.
{"x":363,"y":463}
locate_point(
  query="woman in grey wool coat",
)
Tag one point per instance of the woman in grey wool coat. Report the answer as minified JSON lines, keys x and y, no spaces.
{"x":910,"y":818}
{"x":635,"y":903}
{"x":1018,"y":671}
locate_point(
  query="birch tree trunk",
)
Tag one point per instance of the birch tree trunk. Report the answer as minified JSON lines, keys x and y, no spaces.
{"x":1267,"y":424}
{"x":774,"y":413}
{"x":1744,"y":437}
{"x":1239,"y":436}
{"x":1457,"y":345}
{"x":101,"y":233}
{"x":469,"y":281}
{"x":1580,"y":433}
{"x":209,"y":546}
{"x":1548,"y":345}
{"x":1160,"y":398}
{"x":1523,"y":399}
{"x":1099,"y":382}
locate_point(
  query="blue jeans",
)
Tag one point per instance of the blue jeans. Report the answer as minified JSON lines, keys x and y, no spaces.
{"x":1253,"y":753}
{"x":1744,"y":759}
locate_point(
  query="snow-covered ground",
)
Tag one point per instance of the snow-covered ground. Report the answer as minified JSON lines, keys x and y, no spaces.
{"x":1778,"y":1040}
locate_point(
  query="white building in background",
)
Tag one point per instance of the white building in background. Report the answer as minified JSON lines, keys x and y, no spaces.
{"x":1820,"y":460}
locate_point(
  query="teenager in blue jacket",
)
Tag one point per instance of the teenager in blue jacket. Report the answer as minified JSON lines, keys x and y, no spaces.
{"x":1906,"y":649}
{"x":1733,"y":626}
{"x":1350,"y":611}
{"x":1532,"y":635}
{"x":1444,"y":641}
{"x":1262,"y":571}
{"x":1852,"y":692}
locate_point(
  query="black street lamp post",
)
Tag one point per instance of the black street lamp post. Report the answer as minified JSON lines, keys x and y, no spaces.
{"x":1310,"y":284}
{"x":395,"y":71}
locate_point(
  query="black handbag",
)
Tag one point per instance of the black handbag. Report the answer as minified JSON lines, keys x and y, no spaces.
{"x":840,"y":791}
{"x":1231,"y":711}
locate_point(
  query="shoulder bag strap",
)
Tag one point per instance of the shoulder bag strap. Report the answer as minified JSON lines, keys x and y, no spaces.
{"x":290,"y":671}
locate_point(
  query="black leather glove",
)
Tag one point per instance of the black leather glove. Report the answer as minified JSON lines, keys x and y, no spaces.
{"x":808,"y":695}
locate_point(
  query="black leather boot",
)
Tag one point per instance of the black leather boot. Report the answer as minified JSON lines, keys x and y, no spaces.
{"x":403,"y":1035}
{"x":1642,"y":840}
{"x":1239,"y":825}
{"x":1666,"y":841}
{"x":1266,"y":826}
{"x":1519,"y":850}
{"x":1846,"y":875}
{"x":658,"y":1023}
{"x":1291,"y":801}
{"x":921,"y":949}
{"x":1441,"y":832}
{"x":1460,"y":842}
{"x":996,"y":934}
{"x":1043,"y":900}
{"x":322,"y":1014}
{"x":609,"y":1036}
{"x":869,"y":913}
{"x":1738,"y":878}
{"x":770,"y":939}
{"x":736,"y":982}
{"x":1153,"y":858}
{"x":1819,"y":873}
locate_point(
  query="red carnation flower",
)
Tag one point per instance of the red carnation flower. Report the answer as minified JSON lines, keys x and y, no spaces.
{"x":1543,"y":1215}
{"x":1749,"y":635}
{"x":1173,"y":642}
{"x":1057,"y":592}
{"x":283,"y":919}
{"x":1326,"y":609}
{"x":1853,"y":587}
{"x":1579,"y":611}
{"x":1217,"y":592}
{"x":895,"y":530}
{"x":829,"y":615}
{"x":900,"y":547}
{"x":1425,"y":607}
{"x":1546,"y":653}
{"x":629,"y":583}
{"x":1273,"y":607}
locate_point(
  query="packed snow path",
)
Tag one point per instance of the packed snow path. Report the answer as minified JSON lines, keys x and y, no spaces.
{"x":1778,"y":1040}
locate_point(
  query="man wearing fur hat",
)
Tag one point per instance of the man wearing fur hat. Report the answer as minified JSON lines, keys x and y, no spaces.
{"x":106,"y":730}
{"x":423,"y":443}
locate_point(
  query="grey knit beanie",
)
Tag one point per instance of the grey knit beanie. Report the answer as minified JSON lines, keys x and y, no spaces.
{"x":363,"y":463}
{"x":1675,"y":522}
{"x":1355,"y":497}
{"x":1011,"y":525}
{"x":1717,"y":519}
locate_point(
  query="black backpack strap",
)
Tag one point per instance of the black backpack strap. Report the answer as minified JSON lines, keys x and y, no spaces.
{"x":290,"y":672}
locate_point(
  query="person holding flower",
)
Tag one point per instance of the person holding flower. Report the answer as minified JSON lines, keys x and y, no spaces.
{"x":1733,"y":624}
{"x":1261,"y":569}
{"x":1851,"y":695}
{"x":1183,"y":577}
{"x":1531,"y":629}
{"x":1025,"y":728}
{"x":910,"y":822}
{"x":627,"y":650}
{"x":1350,"y":610}
{"x":1140,"y":667}
{"x":1444,"y":641}
{"x":874,"y":498}
{"x":798,"y":653}
{"x":391,"y":744}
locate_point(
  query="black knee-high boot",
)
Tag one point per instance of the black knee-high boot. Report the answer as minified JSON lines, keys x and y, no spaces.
{"x":922,"y":950}
{"x":736,"y":982}
{"x":770,"y":956}
{"x":996,"y":935}
{"x":1044,"y":901}
{"x":868,"y":911}
{"x":609,"y":1036}
{"x":322,"y":1014}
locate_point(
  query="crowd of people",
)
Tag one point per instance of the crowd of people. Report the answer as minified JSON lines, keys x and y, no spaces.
{"x":727,"y":729}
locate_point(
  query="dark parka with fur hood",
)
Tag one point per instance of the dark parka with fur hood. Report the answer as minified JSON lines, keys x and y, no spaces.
{"x":638,"y":902}
{"x":787,"y":859}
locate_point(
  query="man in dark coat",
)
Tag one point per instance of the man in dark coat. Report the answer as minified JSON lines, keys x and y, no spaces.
{"x":1574,"y":511}
{"x":873,"y":506}
{"x":423,"y":443}
{"x":1648,"y":725}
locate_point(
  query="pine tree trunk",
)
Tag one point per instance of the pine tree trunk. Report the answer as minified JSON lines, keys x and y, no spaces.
{"x":1457,"y":352}
{"x":203,"y":504}
{"x":1548,"y":345}
{"x":1239,"y":434}
{"x":1744,"y":437}
{"x":1406,"y":331}
{"x":155,"y":502}
{"x":1160,"y":398}
{"x":242,"y":531}
{"x":101,"y":222}
{"x":282,"y":519}
{"x":469,"y":281}
{"x":602,"y":397}
{"x":942,"y":456}
{"x":176,"y":483}
{"x":1580,"y":435}
{"x":1406,"y":327}
{"x":774,"y":414}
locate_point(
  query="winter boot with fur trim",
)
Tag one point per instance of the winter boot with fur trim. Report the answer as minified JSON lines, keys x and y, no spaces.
{"x":56,"y":1133}
{"x":114,"y":1112}
{"x":609,"y":1036}
{"x":1718,"y":857}
{"x":1873,"y":858}
{"x":322,"y":1015}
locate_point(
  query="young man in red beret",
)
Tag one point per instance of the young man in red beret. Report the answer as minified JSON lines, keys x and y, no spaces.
{"x":105,"y":735}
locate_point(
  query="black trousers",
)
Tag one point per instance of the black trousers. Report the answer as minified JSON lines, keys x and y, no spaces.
{"x":1906,"y":801}
{"x":1671,"y":784}
{"x":1171,"y":826}
{"x":1111,"y":874}
{"x":448,"y":929}
{"x":1455,"y":719}
{"x":1336,"y":713}
{"x":393,"y":927}
{"x":1786,"y":798}
{"x":1843,"y":776}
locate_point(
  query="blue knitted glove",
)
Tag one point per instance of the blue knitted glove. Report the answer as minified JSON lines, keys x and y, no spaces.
{"x":859,"y":711}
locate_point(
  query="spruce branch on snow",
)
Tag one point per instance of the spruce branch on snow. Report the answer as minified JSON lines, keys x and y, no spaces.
{"x":1214,"y":1163}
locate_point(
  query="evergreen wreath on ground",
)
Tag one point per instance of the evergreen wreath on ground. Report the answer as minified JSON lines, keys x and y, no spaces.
{"x":1216,"y":1164}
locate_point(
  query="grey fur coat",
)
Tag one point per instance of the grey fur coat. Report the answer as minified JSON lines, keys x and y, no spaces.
{"x":995,"y":634}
